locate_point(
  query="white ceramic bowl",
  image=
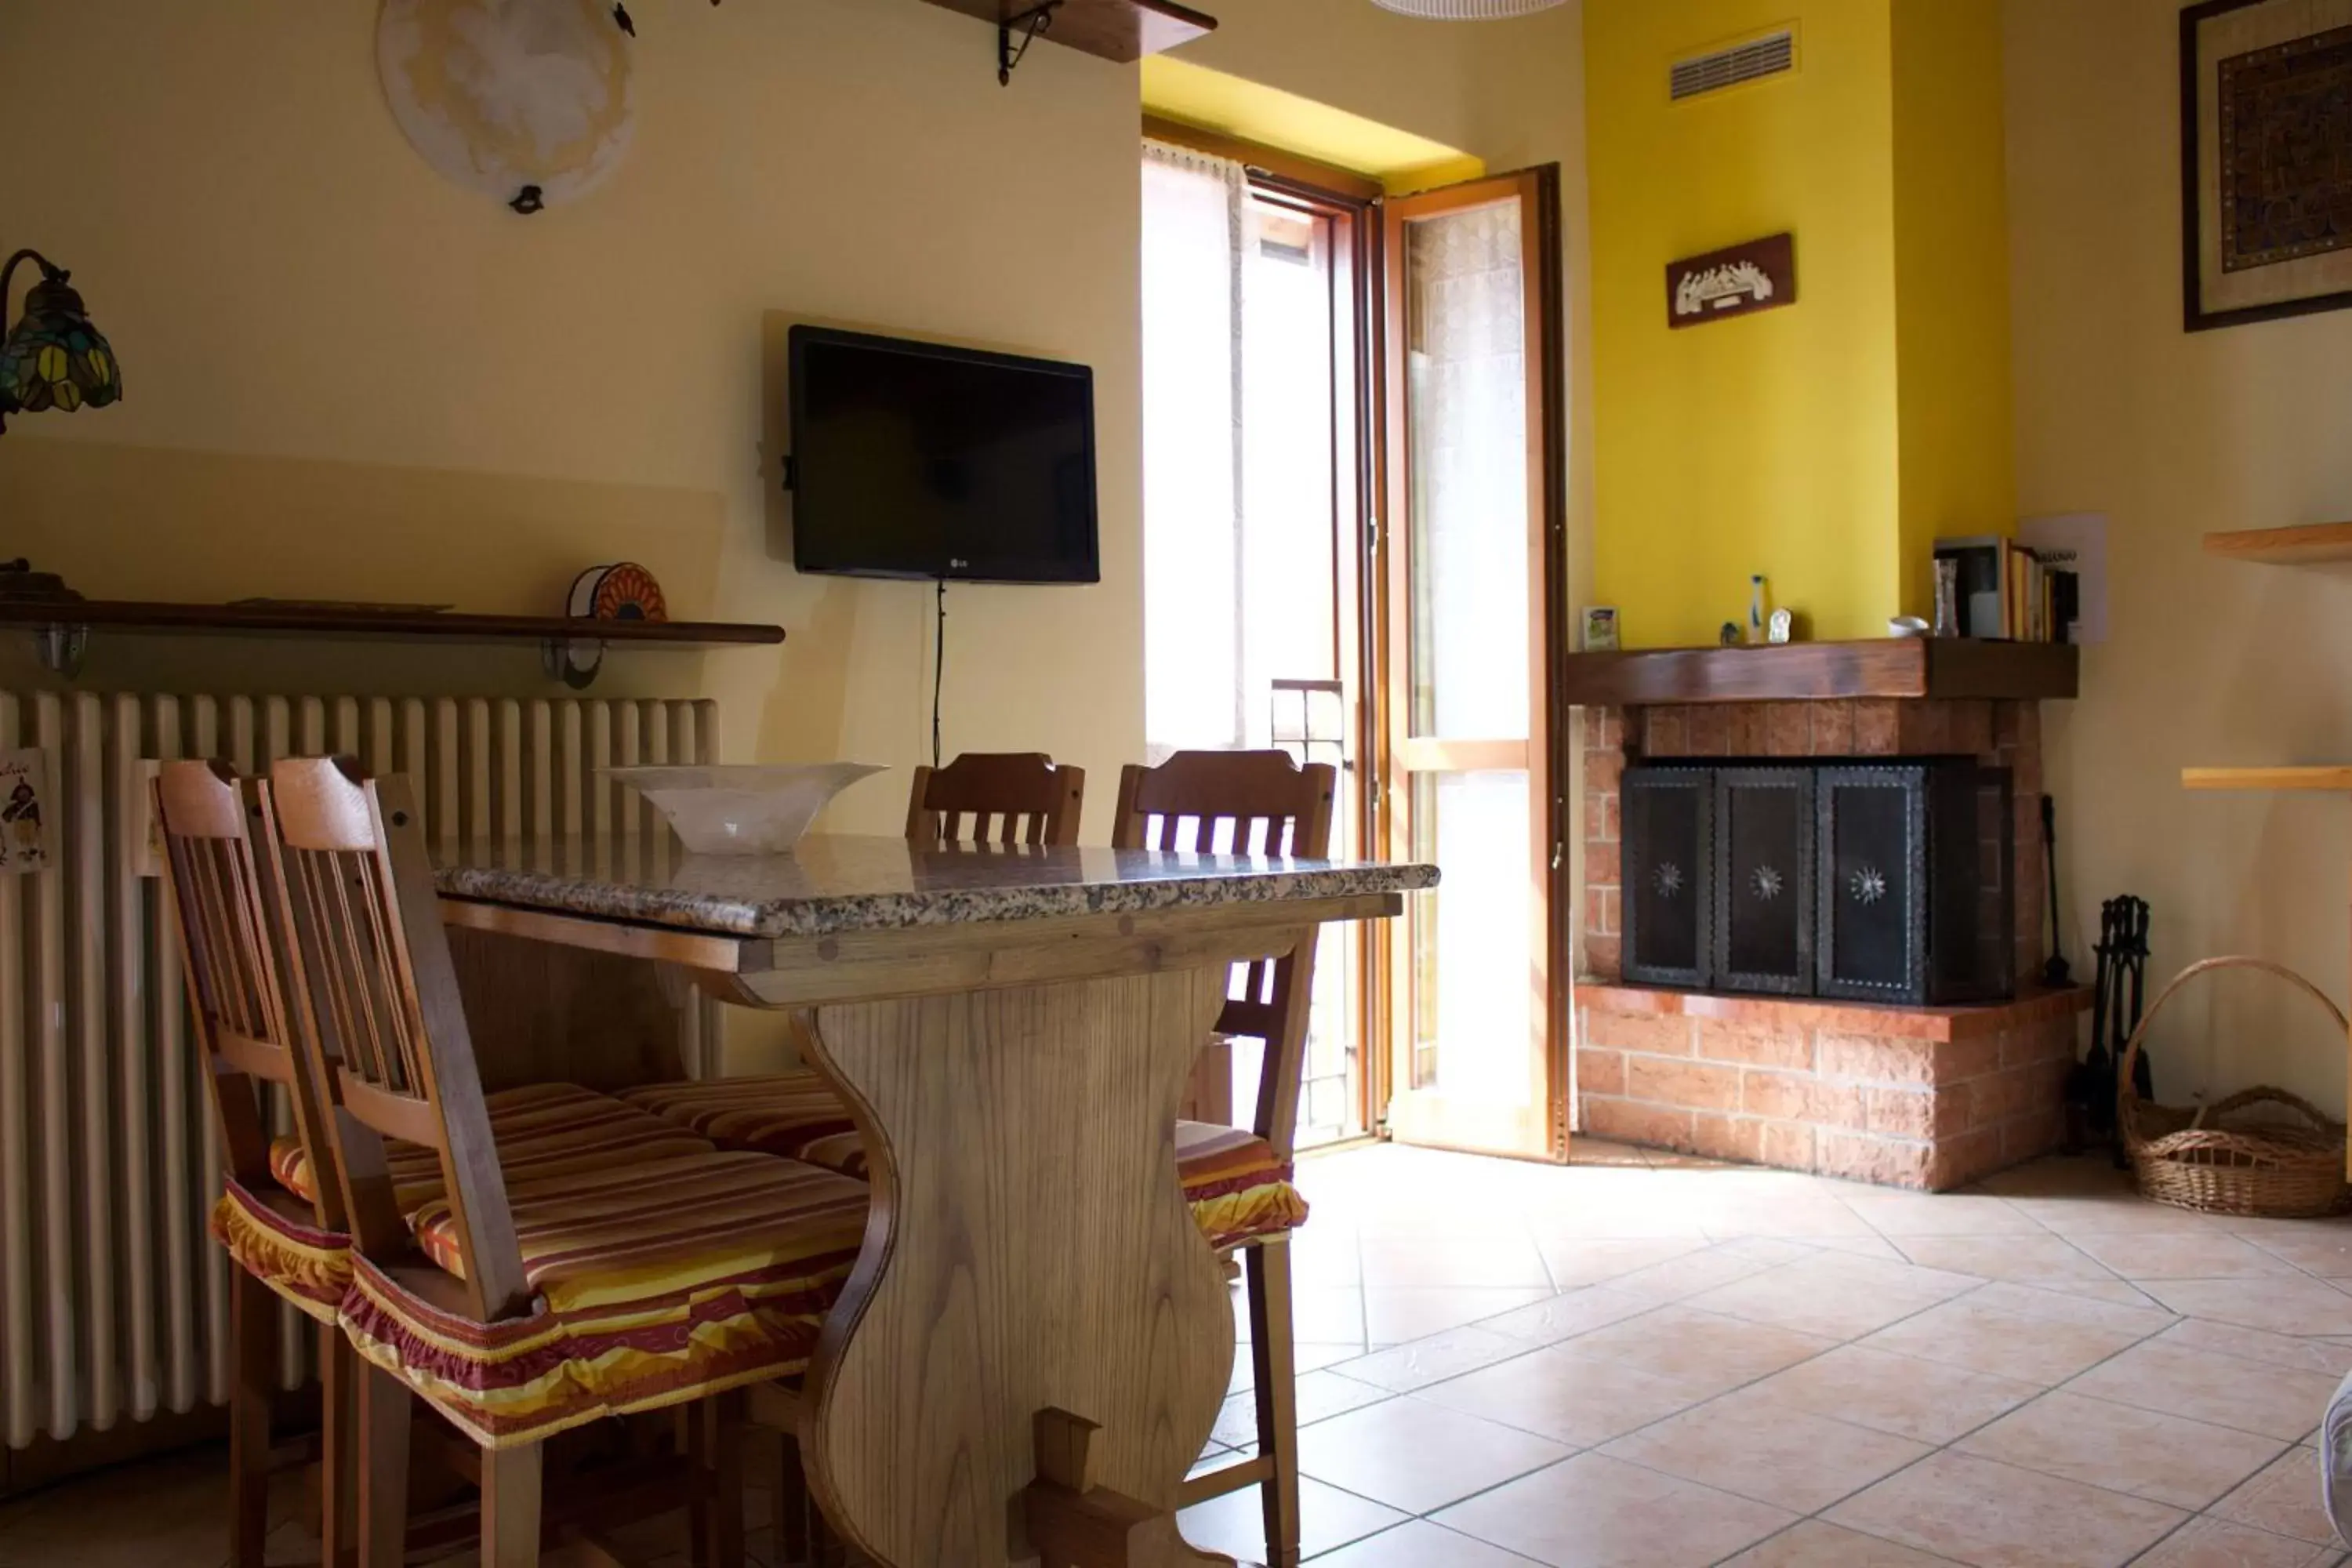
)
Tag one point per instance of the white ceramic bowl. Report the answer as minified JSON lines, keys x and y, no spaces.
{"x":748,"y":809}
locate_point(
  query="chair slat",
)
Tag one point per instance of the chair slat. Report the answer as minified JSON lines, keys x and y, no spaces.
{"x":1005,"y":799}
{"x":230,"y":966}
{"x":375,"y":957}
{"x":1259,"y":803}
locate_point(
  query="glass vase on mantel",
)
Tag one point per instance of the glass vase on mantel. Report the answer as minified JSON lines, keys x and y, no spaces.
{"x":1948,"y":598}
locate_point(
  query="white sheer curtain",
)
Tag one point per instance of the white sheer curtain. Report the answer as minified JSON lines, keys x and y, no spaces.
{"x":1194,"y":228}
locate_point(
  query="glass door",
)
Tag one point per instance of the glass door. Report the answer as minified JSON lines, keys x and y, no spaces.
{"x":1471,"y":564}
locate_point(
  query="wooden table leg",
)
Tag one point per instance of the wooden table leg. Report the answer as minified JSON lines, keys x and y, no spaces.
{"x":1030,"y":1251}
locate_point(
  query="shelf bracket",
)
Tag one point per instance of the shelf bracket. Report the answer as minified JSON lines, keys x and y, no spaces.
{"x":60,"y":649}
{"x":1031,"y":25}
{"x":572,"y":660}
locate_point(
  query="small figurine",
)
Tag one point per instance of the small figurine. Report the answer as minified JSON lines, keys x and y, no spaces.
{"x":1729,"y":635}
{"x":1784,"y":626}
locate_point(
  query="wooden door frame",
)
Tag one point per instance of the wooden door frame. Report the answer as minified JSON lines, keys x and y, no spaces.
{"x":1354,"y":200}
{"x":1552,"y":755}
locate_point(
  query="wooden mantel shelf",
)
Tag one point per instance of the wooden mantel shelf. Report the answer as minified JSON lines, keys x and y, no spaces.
{"x":1896,"y":667}
{"x":2312,"y":544}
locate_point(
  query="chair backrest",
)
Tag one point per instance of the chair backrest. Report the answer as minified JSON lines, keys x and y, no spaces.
{"x":395,"y":1057}
{"x":244,"y":1028}
{"x":996,"y":799}
{"x":1243,"y":803}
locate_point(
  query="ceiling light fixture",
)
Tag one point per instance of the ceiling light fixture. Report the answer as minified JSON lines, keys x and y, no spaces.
{"x":1467,"y":10}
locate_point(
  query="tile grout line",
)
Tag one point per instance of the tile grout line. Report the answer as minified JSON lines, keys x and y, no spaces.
{"x":1819,"y":1515}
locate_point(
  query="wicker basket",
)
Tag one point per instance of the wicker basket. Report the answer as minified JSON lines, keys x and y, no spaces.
{"x":2220,"y":1159}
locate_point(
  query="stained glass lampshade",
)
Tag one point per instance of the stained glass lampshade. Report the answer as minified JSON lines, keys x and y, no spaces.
{"x":53,"y":357}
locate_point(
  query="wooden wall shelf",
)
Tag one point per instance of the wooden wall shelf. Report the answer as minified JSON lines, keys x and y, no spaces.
{"x":61,"y":630}
{"x":2312,"y":544}
{"x":1121,"y":30}
{"x":1897,"y":667}
{"x":2323,"y":780}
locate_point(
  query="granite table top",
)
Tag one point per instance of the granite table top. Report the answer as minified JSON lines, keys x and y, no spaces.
{"x":835,"y":883}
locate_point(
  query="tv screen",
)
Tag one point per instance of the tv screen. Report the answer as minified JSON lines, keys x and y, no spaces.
{"x":914,"y":460}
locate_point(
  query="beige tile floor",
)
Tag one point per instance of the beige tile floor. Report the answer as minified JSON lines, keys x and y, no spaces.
{"x":1656,"y":1364}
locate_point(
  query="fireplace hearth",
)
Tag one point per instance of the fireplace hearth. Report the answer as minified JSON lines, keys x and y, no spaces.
{"x":1807,"y":920}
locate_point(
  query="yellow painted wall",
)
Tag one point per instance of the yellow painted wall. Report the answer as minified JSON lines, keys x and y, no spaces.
{"x":1951,"y":282}
{"x":1766,"y":443}
{"x":2171,"y":434}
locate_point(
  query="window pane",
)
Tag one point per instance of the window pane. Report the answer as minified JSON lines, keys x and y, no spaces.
{"x":1466,"y":364}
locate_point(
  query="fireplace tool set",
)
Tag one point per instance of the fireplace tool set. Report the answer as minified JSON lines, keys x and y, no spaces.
{"x":2119,"y":998}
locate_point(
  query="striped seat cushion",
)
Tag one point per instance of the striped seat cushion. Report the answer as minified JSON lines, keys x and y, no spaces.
{"x":541,"y":1130}
{"x":657,"y":1283}
{"x":274,"y":1237}
{"x":792,"y":1114}
{"x":1238,"y":1189}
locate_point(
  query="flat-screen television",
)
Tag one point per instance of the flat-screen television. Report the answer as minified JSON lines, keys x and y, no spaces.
{"x":913,"y":460}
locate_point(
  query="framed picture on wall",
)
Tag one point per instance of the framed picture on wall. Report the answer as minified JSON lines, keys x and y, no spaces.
{"x":2266,"y":159}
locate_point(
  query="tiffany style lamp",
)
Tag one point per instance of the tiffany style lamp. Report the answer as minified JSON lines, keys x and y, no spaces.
{"x":53,"y":357}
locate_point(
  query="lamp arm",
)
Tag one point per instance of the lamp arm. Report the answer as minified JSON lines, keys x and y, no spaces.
{"x":8,"y":274}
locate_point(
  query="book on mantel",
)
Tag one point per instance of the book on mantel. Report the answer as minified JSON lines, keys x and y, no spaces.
{"x":2010,"y":593}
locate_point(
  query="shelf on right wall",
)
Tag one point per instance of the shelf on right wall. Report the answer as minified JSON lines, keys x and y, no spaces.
{"x":2309,"y":545}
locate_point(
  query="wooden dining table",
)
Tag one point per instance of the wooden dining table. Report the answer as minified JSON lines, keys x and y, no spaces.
{"x":1036,"y":1339}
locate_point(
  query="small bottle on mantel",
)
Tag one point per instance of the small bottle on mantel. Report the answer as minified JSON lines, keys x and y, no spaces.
{"x":1756,"y":610}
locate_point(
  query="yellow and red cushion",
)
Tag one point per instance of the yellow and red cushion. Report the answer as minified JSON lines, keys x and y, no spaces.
{"x":792,"y":1114}
{"x":274,"y":1237}
{"x":657,"y":1283}
{"x":541,"y":1130}
{"x":1238,"y":1189}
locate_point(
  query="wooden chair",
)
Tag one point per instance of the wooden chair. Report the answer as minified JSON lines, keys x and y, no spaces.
{"x":1249,"y":803}
{"x":287,"y":1245}
{"x":1024,"y":796}
{"x":487,"y":1302}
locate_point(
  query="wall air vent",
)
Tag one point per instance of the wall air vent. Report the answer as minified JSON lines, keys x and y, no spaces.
{"x":1771,"y":55}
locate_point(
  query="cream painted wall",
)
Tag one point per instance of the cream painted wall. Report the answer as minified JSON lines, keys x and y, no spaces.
{"x":2172,"y":434}
{"x":347,"y":378}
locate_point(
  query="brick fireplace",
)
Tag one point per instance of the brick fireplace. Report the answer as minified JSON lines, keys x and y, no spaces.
{"x":1921,"y":1097}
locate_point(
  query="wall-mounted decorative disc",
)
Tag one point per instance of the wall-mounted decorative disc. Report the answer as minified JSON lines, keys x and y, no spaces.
{"x":628,"y":593}
{"x":527,"y":100}
{"x":622,"y":592}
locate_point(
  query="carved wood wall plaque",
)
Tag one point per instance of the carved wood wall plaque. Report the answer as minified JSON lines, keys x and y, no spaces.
{"x":1739,"y":280}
